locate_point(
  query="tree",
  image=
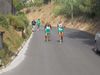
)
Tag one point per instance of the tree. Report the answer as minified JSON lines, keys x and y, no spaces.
{"x":87,"y":6}
{"x":78,"y":7}
{"x":97,"y":7}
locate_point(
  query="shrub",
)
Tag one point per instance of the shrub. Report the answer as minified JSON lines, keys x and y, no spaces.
{"x":78,"y":7}
{"x":38,"y":2}
{"x":24,"y":19}
{"x":15,"y":21}
{"x":4,"y":21}
{"x":57,"y":10}
{"x":19,"y":6}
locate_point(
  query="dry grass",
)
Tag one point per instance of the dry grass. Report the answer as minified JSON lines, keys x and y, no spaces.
{"x":11,"y":42}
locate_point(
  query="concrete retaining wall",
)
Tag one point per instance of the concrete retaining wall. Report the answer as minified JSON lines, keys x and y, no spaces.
{"x":5,"y":6}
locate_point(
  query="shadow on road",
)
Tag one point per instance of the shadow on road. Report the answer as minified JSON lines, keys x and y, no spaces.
{"x":97,"y":53}
{"x":86,"y":38}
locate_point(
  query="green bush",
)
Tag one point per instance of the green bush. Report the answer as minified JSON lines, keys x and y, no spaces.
{"x":57,"y":10}
{"x":18,"y":22}
{"x":4,"y":21}
{"x":67,"y":7}
{"x":38,"y":2}
{"x":77,"y":7}
{"x":19,"y":6}
{"x":24,"y":19}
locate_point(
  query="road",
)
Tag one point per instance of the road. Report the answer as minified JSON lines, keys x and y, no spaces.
{"x":73,"y":57}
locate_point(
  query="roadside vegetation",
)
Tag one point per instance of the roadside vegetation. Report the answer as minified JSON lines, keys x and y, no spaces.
{"x":16,"y":30}
{"x":89,"y":8}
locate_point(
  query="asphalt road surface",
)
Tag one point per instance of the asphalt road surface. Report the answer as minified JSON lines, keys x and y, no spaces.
{"x":73,"y":57}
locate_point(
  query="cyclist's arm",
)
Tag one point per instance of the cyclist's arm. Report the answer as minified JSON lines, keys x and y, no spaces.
{"x":57,"y":25}
{"x":44,"y":27}
{"x":50,"y":26}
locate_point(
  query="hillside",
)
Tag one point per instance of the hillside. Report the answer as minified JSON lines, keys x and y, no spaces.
{"x":11,"y":42}
{"x":16,"y":31}
{"x":45,"y":13}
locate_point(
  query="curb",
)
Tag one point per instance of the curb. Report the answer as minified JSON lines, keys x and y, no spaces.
{"x":17,"y":54}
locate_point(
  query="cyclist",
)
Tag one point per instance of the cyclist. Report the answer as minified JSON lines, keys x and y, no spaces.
{"x":38,"y":23}
{"x":47,"y":29}
{"x":60,"y":28}
{"x":33,"y":25}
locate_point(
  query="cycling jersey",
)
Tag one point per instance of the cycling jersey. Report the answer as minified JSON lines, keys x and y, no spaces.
{"x":60,"y":28}
{"x":38,"y":23}
{"x":47,"y":29}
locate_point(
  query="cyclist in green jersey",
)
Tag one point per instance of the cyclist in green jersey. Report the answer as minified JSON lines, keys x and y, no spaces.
{"x":38,"y":23}
{"x":47,"y":29}
{"x":60,"y":28}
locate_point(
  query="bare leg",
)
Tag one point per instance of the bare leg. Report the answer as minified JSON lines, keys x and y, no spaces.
{"x":45,"y":37}
{"x":59,"y":36}
{"x":49,"y":37}
{"x":62,"y":34}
